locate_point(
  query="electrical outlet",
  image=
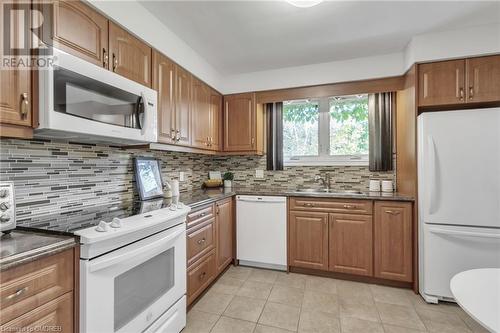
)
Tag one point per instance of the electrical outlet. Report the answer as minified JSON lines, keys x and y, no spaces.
{"x":259,"y":173}
{"x":181,"y":176}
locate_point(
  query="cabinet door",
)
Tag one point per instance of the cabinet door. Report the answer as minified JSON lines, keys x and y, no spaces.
{"x":225,"y":233}
{"x":239,"y":123}
{"x":215,"y":120}
{"x":199,"y":276}
{"x":56,"y":313}
{"x":183,"y":99}
{"x":308,"y":240}
{"x":393,"y":240}
{"x":351,"y":244}
{"x":130,"y":57}
{"x":483,"y":79}
{"x":441,"y":83}
{"x":15,"y":97}
{"x":201,"y":115}
{"x":79,"y":30}
{"x":163,"y":83}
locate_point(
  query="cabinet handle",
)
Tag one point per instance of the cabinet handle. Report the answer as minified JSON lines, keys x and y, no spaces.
{"x":217,"y":210}
{"x":471,"y":92}
{"x":253,"y":141}
{"x":18,"y":293}
{"x":207,"y":143}
{"x":202,"y":275}
{"x":24,"y":105}
{"x":461,"y":94}
{"x":349,"y":206}
{"x":201,"y":215}
{"x":172,"y":134}
{"x":201,"y":241}
{"x":308,"y":204}
{"x":105,"y":58}
{"x":177,"y":136}
{"x":115,"y":62}
{"x":392,"y":212}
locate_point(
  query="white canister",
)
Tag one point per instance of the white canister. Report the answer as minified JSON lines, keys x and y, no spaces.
{"x":228,"y":183}
{"x":374,"y":185}
{"x":387,"y":186}
{"x":174,"y":187}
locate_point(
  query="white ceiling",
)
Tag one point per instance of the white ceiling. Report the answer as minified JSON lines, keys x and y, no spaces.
{"x":248,"y":36}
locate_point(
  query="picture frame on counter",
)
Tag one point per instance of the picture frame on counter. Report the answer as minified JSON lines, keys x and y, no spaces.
{"x":148,"y":178}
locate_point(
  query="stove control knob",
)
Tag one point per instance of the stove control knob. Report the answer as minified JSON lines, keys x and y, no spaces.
{"x":116,"y":223}
{"x":4,"y":206}
{"x":4,"y":192}
{"x":102,"y":227}
{"x":4,"y":218}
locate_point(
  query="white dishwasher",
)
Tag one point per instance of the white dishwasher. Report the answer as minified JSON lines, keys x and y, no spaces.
{"x":261,"y":231}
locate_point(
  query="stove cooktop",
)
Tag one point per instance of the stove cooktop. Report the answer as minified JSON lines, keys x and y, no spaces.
{"x":77,"y":219}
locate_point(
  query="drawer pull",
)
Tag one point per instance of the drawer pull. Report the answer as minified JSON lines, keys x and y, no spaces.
{"x":392,"y":212}
{"x":202,"y":275}
{"x":18,"y":293}
{"x":349,"y":206}
{"x":201,"y":241}
{"x":201,"y":215}
{"x":308,"y":204}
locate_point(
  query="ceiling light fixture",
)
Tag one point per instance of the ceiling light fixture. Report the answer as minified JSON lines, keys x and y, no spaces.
{"x":304,"y":3}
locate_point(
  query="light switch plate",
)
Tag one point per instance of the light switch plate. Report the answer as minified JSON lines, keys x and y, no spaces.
{"x":181,"y":176}
{"x":259,"y":173}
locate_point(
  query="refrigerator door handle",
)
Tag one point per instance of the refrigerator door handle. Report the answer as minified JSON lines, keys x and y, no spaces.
{"x":432,"y":174}
{"x":463,"y":233}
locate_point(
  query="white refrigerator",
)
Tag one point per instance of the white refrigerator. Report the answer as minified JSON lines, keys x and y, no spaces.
{"x":459,"y":196}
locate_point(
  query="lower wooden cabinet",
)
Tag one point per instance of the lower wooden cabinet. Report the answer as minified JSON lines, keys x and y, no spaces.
{"x":225,"y":234}
{"x":200,"y":241}
{"x":199,"y":276}
{"x":393,"y":241}
{"x":351,"y":244}
{"x":308,"y":240}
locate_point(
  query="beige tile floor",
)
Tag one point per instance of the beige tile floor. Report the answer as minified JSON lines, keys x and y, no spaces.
{"x":262,"y":301}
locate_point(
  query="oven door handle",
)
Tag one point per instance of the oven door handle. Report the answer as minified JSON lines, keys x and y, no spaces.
{"x":152,"y":249}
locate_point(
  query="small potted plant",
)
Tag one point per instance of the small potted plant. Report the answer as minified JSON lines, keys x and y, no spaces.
{"x":228,"y":179}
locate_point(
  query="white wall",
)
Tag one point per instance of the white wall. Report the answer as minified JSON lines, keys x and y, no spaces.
{"x":142,"y":23}
{"x":484,"y":39}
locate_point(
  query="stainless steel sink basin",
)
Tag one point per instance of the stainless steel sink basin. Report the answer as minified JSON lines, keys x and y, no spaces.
{"x":331,"y":191}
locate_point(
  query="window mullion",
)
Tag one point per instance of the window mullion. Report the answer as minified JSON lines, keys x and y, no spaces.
{"x":324,"y":128}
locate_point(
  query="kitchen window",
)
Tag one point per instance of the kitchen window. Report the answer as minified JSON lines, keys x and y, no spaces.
{"x":326,"y":131}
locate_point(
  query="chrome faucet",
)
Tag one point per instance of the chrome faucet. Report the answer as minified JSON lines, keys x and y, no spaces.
{"x":326,"y":181}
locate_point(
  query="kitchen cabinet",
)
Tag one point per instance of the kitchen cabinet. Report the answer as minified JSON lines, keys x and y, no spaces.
{"x":351,"y":243}
{"x":77,"y":29}
{"x":463,"y":81}
{"x":224,"y":222}
{"x":201,"y":125}
{"x":199,"y":276}
{"x":243,"y":124}
{"x":393,"y":240}
{"x":483,"y":79}
{"x":41,"y":292}
{"x":215,"y":120}
{"x":183,"y":106}
{"x":442,"y":83}
{"x":129,"y":56}
{"x":164,"y":83}
{"x":200,"y":241}
{"x":308,"y":240}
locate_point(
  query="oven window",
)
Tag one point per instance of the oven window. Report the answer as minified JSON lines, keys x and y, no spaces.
{"x":138,"y":288}
{"x":83,"y":97}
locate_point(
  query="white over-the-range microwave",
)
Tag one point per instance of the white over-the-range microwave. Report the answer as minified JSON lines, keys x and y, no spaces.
{"x":82,"y":102}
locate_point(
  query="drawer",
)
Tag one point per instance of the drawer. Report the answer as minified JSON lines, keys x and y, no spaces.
{"x":332,"y":205}
{"x":200,"y":215}
{"x":200,"y":241}
{"x":56,"y":316}
{"x":28,"y":286}
{"x":200,"y":276}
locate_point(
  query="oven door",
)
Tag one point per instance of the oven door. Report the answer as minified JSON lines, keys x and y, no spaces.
{"x":127,"y":290}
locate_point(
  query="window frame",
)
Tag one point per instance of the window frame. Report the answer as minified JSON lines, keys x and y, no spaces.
{"x":324,"y":158}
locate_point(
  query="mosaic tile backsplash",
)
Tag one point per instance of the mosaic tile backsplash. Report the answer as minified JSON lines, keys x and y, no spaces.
{"x":52,"y":176}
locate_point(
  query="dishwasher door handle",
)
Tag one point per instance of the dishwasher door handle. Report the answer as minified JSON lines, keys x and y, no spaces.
{"x":261,"y":199}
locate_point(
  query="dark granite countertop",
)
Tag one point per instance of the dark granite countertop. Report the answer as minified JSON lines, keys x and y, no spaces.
{"x":19,"y":247}
{"x":200,"y":197}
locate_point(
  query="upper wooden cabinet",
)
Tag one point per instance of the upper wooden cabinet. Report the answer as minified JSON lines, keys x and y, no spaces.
{"x":472,"y":80}
{"x":225,"y":233}
{"x":183,"y":109}
{"x":393,"y":240}
{"x":441,"y":83}
{"x":243,"y":124}
{"x":164,"y":84}
{"x":129,"y":56}
{"x":351,"y":244}
{"x":201,"y":115}
{"x":79,"y":30}
{"x":308,"y":240}
{"x":215,"y":120}
{"x":483,"y":79}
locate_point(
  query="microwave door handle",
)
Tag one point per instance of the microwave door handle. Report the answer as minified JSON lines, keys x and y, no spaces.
{"x":138,"y":112}
{"x":146,"y":117}
{"x":153,"y":248}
